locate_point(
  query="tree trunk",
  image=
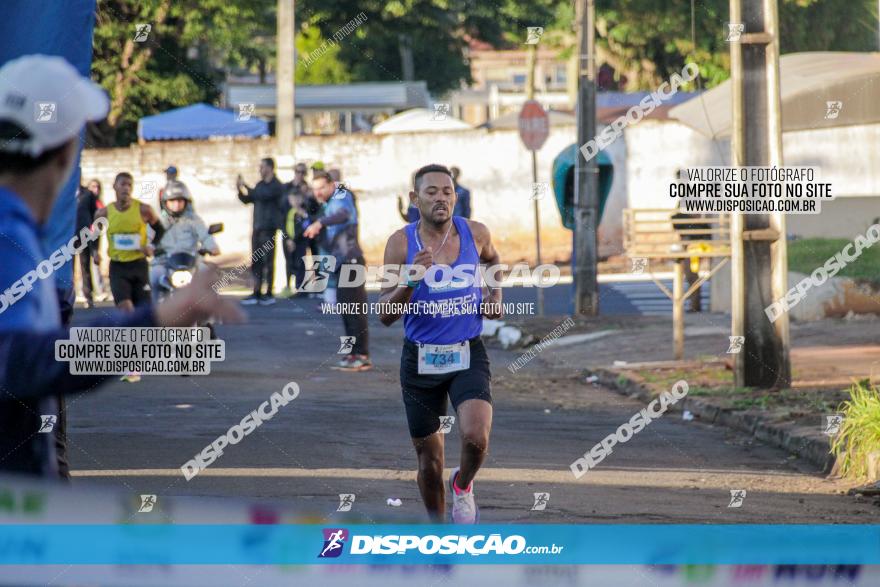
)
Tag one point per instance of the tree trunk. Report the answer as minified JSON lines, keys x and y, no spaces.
{"x":129,"y":69}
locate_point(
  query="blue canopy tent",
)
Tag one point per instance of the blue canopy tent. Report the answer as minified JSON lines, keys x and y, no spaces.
{"x":199,"y":121}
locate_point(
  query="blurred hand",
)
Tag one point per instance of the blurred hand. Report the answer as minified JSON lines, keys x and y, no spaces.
{"x":424,"y":258}
{"x":492,"y":307}
{"x":313,"y":230}
{"x":198,"y":302}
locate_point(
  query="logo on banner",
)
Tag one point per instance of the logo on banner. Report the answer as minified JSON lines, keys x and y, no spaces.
{"x":318,"y":275}
{"x":737,"y":498}
{"x":142,"y":32}
{"x":334,"y":540}
{"x":346,"y":500}
{"x":736,"y":344}
{"x":833,"y":422}
{"x":246,"y":111}
{"x":47,"y":423}
{"x":734,"y":31}
{"x":46,"y":112}
{"x":832,"y":109}
{"x":446,"y":423}
{"x":639,"y":265}
{"x":346,"y":345}
{"x":441,"y":111}
{"x":147,"y":504}
{"x":534,"y":34}
{"x":539,"y":190}
{"x":541,"y":501}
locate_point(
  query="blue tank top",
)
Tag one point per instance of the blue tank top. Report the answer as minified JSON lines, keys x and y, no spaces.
{"x":448,"y":300}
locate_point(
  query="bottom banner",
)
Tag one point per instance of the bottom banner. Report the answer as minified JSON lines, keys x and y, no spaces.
{"x":166,"y":544}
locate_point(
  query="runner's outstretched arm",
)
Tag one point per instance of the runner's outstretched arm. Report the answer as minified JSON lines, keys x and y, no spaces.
{"x":44,"y":376}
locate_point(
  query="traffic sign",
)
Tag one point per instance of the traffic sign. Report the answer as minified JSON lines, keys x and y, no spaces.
{"x":534,"y":125}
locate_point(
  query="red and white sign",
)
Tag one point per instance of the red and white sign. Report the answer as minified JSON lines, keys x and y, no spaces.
{"x":534,"y":125}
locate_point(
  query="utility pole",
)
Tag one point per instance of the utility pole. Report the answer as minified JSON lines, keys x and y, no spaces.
{"x":586,"y":192}
{"x":530,"y":95}
{"x":759,"y":264}
{"x":285,"y":121}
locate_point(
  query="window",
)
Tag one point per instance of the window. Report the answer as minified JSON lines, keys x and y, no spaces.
{"x":561,"y":75}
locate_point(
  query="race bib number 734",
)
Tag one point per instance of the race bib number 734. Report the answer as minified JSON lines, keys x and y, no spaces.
{"x":444,"y":358}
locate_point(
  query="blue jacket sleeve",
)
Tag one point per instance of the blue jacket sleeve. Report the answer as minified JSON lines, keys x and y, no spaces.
{"x":28,"y":368}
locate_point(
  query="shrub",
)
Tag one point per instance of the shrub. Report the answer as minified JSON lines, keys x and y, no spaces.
{"x":859,"y":434}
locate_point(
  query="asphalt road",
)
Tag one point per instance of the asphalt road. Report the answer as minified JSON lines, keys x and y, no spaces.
{"x":346,"y":433}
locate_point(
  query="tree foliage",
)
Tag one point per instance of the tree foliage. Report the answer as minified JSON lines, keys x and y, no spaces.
{"x":180,"y":62}
{"x":435,"y":31}
{"x":193,"y":44}
{"x":326,"y":69}
{"x":648,"y":40}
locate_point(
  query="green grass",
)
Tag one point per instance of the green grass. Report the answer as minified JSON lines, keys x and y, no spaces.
{"x":805,"y":255}
{"x":860,"y":432}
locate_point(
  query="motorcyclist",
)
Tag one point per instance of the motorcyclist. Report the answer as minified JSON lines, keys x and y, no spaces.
{"x":185,"y":231}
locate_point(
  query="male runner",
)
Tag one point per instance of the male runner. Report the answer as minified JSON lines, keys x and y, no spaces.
{"x":443,"y":355}
{"x":127,"y":244}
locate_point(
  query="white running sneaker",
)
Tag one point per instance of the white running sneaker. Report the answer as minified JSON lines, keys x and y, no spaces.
{"x":464,"y":510}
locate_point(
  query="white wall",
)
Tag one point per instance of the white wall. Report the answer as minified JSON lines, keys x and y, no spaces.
{"x":495,"y":167}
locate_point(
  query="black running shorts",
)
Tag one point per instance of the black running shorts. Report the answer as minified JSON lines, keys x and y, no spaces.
{"x":425,"y":396}
{"x":130,"y":280}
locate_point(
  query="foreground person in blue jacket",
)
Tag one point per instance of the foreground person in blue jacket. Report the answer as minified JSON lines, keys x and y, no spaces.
{"x":44,"y":104}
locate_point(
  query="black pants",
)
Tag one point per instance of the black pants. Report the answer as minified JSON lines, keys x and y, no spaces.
{"x":263,"y":247}
{"x":66,"y":298}
{"x":85,"y":269}
{"x":355,"y":324}
{"x":294,"y":256}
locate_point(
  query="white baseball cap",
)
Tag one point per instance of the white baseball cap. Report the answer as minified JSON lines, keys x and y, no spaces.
{"x":48,"y":98}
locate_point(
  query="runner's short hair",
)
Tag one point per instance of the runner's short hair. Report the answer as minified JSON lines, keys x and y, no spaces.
{"x":124,"y":174}
{"x":322,"y":175}
{"x":432,"y":168}
{"x":269,"y":161}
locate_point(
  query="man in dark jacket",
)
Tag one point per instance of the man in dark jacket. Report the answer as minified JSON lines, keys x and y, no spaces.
{"x":86,"y":206}
{"x":267,"y":197}
{"x":35,"y":162}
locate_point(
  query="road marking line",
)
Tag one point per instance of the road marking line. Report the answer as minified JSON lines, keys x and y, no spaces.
{"x":795,"y":483}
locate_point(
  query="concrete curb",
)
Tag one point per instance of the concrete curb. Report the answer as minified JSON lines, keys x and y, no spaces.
{"x":800,"y":440}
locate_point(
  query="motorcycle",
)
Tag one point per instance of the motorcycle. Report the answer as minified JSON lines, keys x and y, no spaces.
{"x":179,"y":271}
